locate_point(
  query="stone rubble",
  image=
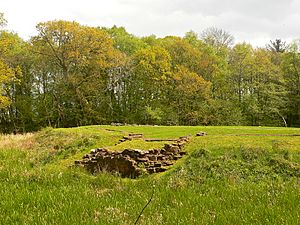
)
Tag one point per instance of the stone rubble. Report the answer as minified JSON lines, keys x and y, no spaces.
{"x":133,"y":162}
{"x":201,"y":134}
{"x":131,"y":137}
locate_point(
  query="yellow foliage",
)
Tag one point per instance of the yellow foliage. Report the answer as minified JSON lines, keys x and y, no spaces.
{"x":73,"y":46}
{"x":6,"y":76}
{"x":191,"y":84}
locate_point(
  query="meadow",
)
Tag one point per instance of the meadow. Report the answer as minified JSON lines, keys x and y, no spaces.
{"x":233,"y":175}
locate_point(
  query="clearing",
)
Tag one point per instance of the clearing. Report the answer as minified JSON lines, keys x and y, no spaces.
{"x":233,"y":175}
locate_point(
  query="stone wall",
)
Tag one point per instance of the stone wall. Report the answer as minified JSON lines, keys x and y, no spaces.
{"x":133,"y":162}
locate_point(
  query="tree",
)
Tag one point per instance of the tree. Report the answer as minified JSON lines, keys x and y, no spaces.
{"x":277,"y":46}
{"x":218,"y":38}
{"x":6,"y":76}
{"x":151,"y":40}
{"x":192,"y":38}
{"x":202,"y":59}
{"x":183,"y":53}
{"x":6,"y":73}
{"x":291,"y":70}
{"x":196,"y":56}
{"x":146,"y":84}
{"x":125,"y":42}
{"x":241,"y":65}
{"x":78,"y":63}
{"x":15,"y":83}
{"x":3,"y":21}
{"x":71,"y":75}
{"x":18,"y":115}
{"x":258,"y":85}
{"x":267,"y":91}
{"x":189,"y":97}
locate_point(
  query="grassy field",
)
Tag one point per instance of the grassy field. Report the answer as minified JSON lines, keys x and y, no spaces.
{"x":234,"y":175}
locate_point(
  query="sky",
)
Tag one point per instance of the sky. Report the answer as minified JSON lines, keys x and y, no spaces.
{"x":253,"y":21}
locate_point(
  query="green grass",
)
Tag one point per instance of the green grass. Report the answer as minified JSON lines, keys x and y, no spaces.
{"x":139,"y":144}
{"x":227,"y":177}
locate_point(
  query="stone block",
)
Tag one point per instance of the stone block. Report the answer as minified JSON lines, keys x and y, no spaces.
{"x":201,"y":133}
{"x":133,"y":162}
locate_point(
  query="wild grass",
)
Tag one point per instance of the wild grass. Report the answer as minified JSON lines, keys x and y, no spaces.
{"x":19,"y":141}
{"x":224,"y":179}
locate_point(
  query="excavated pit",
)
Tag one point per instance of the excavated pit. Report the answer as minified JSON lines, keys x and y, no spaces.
{"x":134,"y":162}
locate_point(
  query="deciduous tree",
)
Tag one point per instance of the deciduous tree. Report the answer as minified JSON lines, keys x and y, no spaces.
{"x":291,"y":70}
{"x":79,"y":60}
{"x":217,"y":37}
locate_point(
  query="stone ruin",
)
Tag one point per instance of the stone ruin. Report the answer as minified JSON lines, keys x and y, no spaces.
{"x":133,"y":162}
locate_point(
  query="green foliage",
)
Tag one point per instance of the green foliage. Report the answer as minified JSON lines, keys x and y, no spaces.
{"x":147,"y":84}
{"x":290,"y":67}
{"x":82,"y":60}
{"x":6,"y":75}
{"x":124,"y":41}
{"x":10,"y":69}
{"x":224,"y":112}
{"x":71,"y":75}
{"x":3,"y":21}
{"x":154,"y":115}
{"x":258,"y":85}
{"x":190,"y":95}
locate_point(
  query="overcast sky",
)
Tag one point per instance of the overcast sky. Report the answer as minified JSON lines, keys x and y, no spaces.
{"x":253,"y":21}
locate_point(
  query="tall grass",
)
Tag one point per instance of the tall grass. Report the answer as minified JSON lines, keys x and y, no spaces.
{"x":218,"y":182}
{"x":18,"y":141}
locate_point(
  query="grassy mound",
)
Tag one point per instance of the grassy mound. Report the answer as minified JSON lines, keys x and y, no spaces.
{"x":228,"y":177}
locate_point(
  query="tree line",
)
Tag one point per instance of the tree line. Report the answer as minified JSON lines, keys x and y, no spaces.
{"x":72,"y":75}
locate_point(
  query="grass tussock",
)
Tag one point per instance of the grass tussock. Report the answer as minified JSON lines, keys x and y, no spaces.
{"x":18,"y":141}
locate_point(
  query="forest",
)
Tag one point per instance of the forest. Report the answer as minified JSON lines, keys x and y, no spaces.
{"x":70,"y":74}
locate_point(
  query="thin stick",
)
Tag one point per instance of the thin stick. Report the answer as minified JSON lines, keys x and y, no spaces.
{"x":144,"y":208}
